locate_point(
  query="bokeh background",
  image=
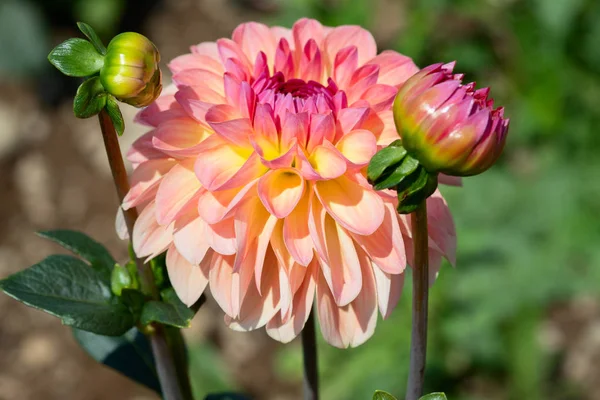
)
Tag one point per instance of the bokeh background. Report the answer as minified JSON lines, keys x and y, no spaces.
{"x":519,"y":318}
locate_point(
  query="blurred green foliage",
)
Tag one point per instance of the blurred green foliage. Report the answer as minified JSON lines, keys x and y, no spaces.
{"x":23,"y":50}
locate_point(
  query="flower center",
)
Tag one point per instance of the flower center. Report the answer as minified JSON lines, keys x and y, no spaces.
{"x":295,"y":95}
{"x":301,"y":89}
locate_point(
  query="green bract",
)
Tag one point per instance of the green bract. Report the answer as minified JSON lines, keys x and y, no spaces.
{"x":393,"y":168}
{"x":130,"y":71}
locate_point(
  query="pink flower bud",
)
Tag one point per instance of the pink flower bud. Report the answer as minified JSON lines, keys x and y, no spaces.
{"x":450,"y":127}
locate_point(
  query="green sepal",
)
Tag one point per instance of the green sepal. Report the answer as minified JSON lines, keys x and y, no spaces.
{"x":396,"y":175}
{"x":384,"y":159}
{"x":68,"y":288}
{"x":114,"y":112}
{"x":130,"y":354}
{"x":90,"y":33}
{"x":381,"y":395}
{"x":422,"y":185}
{"x":170,"y":311}
{"x":85,"y":247}
{"x":434,"y":396}
{"x":76,"y":57}
{"x":90,"y":98}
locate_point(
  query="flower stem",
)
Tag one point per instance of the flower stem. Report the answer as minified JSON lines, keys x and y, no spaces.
{"x":163,"y":354}
{"x":420,"y":278}
{"x":309,"y":351}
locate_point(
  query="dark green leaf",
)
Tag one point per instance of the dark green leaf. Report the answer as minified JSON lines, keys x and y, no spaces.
{"x":90,"y":33}
{"x":381,"y":395}
{"x":85,"y":247}
{"x":406,"y":167}
{"x":130,"y":354}
{"x":382,"y":160}
{"x":434,"y":396}
{"x":196,"y":306}
{"x":112,"y":107}
{"x":226,"y":396}
{"x":134,"y":299}
{"x":90,"y":98}
{"x":70,"y":289}
{"x":169,"y":311}
{"x":76,"y":57}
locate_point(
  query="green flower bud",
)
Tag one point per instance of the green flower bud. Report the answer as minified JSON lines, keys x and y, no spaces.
{"x":130,"y":71}
{"x":120,"y":279}
{"x":124,"y":277}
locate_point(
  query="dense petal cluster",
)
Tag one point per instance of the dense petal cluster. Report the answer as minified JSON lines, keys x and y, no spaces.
{"x":448,"y":126}
{"x":252,"y":179}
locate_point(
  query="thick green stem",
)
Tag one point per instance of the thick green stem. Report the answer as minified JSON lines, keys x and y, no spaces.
{"x":163,"y":354}
{"x":418,"y":341}
{"x":309,"y":351}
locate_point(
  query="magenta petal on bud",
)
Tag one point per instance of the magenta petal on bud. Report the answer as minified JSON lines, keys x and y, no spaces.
{"x":430,"y":100}
{"x":446,"y":124}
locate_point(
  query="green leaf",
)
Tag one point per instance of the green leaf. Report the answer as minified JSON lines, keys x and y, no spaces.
{"x":381,"y":395}
{"x":434,"y":396}
{"x":76,"y":57}
{"x":129,"y":354}
{"x":170,"y":311}
{"x":112,"y":108}
{"x":68,"y":288}
{"x":226,"y":396}
{"x":90,"y":33}
{"x":384,"y":159}
{"x":134,"y":299}
{"x":85,"y":247}
{"x":90,"y":98}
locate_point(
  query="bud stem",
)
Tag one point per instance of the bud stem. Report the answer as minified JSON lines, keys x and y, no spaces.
{"x":420,"y":279}
{"x":163,"y":354}
{"x":119,"y":173}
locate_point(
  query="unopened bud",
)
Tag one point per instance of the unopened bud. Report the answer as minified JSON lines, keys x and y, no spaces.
{"x":130,"y":71}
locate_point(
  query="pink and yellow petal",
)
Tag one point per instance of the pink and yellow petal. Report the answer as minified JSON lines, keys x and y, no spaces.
{"x":348,"y":203}
{"x":280,"y":191}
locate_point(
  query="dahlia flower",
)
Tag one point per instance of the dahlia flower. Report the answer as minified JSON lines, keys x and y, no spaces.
{"x":252,"y":179}
{"x":448,"y":126}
